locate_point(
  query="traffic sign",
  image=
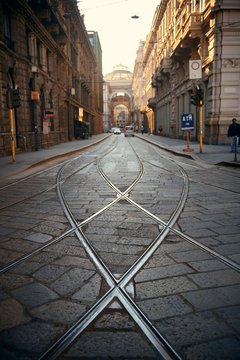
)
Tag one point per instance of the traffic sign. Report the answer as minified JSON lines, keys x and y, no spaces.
{"x":187,"y":121}
{"x":195,"y":69}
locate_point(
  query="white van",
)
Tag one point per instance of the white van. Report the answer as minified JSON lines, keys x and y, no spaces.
{"x":129,"y":131}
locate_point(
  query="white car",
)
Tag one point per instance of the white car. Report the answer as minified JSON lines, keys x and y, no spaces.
{"x":117,"y":131}
{"x":129,"y":131}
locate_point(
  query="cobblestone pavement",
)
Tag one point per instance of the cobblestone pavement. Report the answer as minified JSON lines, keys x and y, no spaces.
{"x":189,"y":295}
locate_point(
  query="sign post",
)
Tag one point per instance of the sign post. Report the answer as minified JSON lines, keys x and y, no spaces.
{"x":187,"y":121}
{"x":200,"y":125}
{"x":12,"y":134}
{"x":13,"y":102}
{"x":195,"y":72}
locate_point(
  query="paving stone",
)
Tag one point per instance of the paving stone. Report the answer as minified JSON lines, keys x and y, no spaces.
{"x":45,"y":229}
{"x":169,"y":286}
{"x":89,"y":291}
{"x":158,"y":260}
{"x":6,"y":230}
{"x":32,"y":338}
{"x":38,"y":237}
{"x":75,"y":261}
{"x":167,"y":306}
{"x":34,"y":294}
{"x":71,"y":281}
{"x":49,"y":273}
{"x":191,"y":329}
{"x":197,"y":233}
{"x":57,"y":218}
{"x":118,"y":261}
{"x":222,"y":349}
{"x":230,"y":238}
{"x":207,"y":265}
{"x":214,"y":298}
{"x":163,"y":272}
{"x":10,"y":281}
{"x":11,"y":313}
{"x":172,"y":247}
{"x":189,"y":256}
{"x":114,"y":320}
{"x":59,"y":312}
{"x":28,"y":267}
{"x":118,"y":248}
{"x":230,"y":229}
{"x":114,"y":345}
{"x":228,"y":249}
{"x":20,"y":245}
{"x":216,"y":278}
{"x":67,"y":249}
{"x":231,"y":316}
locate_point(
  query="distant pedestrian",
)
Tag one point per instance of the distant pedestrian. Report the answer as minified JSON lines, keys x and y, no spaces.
{"x":234,"y":133}
{"x":142,"y":130}
{"x":160,"y":130}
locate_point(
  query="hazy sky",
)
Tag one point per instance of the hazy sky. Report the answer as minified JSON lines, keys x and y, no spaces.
{"x":119,"y":34}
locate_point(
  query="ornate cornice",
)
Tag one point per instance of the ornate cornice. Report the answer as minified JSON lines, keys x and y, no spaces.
{"x":231,"y":63}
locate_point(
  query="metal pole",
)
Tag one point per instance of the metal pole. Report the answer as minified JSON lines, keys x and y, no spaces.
{"x":12,"y":133}
{"x":200,"y":125}
{"x":235,"y":142}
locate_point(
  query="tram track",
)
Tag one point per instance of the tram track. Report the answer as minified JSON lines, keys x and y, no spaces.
{"x":117,"y":289}
{"x":117,"y":285}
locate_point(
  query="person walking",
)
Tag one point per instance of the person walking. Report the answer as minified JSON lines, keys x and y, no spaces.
{"x":234,"y":133}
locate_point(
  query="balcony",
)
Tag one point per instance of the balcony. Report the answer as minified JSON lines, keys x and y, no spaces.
{"x":165,"y":65}
{"x":195,"y":25}
{"x":188,"y":26}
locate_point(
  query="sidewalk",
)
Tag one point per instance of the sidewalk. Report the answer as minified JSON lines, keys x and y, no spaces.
{"x":25,"y":160}
{"x":211,"y":154}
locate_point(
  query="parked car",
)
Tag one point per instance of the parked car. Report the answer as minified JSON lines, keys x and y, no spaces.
{"x":117,"y":131}
{"x":129,"y":131}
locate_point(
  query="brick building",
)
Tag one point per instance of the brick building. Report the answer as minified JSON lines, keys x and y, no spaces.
{"x":46,"y":53}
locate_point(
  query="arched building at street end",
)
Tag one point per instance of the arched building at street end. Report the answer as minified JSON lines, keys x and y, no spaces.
{"x":118,"y":99}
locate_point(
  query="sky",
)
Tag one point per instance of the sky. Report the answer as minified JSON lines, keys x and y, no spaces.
{"x":119,"y":34}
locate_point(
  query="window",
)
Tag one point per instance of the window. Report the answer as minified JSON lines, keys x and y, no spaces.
{"x":7,"y":30}
{"x":39,"y":62}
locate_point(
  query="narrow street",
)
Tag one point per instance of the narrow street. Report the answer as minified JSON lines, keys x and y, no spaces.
{"x":124,"y":251}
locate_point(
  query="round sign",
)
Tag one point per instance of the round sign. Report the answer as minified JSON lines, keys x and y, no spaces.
{"x":195,"y":65}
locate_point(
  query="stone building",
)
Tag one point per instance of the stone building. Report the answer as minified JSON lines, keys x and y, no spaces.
{"x":184,"y":34}
{"x":47,"y":53}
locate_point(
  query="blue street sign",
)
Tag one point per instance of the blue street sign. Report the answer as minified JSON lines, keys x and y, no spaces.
{"x":187,"y":121}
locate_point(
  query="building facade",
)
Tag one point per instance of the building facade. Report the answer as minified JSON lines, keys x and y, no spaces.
{"x":45,"y":52}
{"x":183,"y":32}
